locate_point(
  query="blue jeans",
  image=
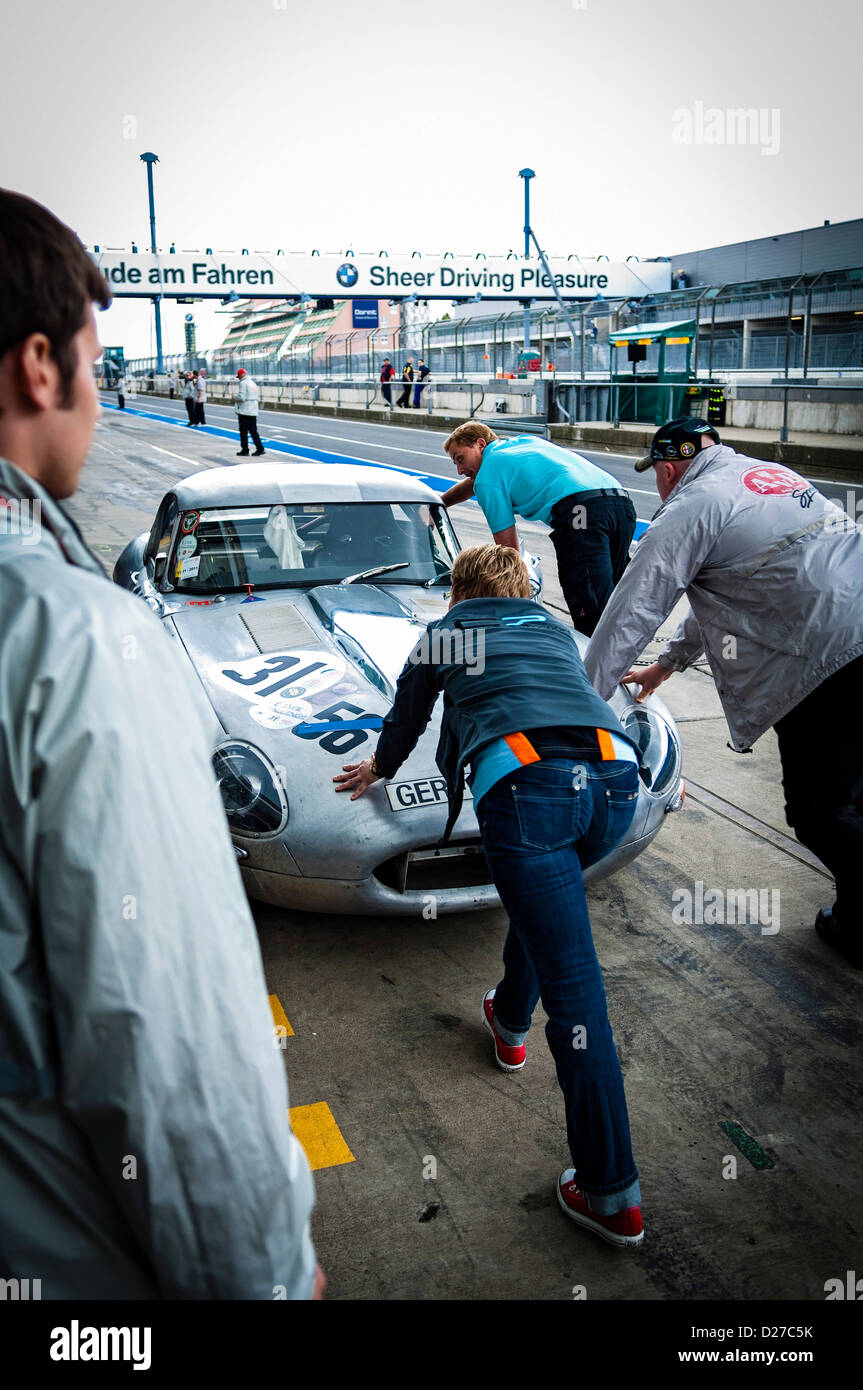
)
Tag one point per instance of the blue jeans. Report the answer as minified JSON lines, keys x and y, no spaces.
{"x":541,"y":826}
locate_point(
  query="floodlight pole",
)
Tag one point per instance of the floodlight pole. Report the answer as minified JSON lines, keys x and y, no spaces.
{"x":150,"y":160}
{"x":527,"y":175}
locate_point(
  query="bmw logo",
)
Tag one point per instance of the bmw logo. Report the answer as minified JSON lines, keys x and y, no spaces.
{"x":347,"y":275}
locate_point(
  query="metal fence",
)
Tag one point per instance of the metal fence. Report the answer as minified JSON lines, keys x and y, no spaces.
{"x":811,"y":323}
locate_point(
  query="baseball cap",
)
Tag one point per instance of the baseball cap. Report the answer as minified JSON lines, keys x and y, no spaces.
{"x":241,"y":372}
{"x":677,"y":440}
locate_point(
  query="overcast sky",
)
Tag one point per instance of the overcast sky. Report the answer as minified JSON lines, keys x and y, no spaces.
{"x":336,"y":123}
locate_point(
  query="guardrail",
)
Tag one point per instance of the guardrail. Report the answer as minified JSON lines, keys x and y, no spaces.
{"x":801,"y":389}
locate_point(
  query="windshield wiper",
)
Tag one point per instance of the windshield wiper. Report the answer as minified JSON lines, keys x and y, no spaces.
{"x":380,"y":569}
{"x":436,"y":578}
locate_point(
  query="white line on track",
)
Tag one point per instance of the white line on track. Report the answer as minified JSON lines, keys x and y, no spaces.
{"x":182,"y":457}
{"x":346,"y":439}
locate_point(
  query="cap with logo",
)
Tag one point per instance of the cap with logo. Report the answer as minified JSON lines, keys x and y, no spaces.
{"x":677,"y":441}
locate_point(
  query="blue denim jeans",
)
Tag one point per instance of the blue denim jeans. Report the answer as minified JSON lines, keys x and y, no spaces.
{"x":541,"y":826}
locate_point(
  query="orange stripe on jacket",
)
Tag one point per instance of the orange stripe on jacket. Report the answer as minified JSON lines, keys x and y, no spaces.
{"x":606,"y":746}
{"x":522,"y":748}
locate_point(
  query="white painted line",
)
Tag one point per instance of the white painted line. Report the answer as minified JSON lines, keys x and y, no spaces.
{"x":345,"y":439}
{"x":170,"y":452}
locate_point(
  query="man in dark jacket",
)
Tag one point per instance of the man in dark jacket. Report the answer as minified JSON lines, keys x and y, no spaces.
{"x":555,"y":785}
{"x":388,"y":371}
{"x":407,"y":377}
{"x":422,"y":372}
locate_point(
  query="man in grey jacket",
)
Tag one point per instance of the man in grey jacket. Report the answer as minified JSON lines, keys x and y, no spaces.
{"x":145,"y":1148}
{"x":773,"y":572}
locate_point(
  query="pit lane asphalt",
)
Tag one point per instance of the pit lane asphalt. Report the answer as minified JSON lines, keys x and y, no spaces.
{"x":450,"y":1194}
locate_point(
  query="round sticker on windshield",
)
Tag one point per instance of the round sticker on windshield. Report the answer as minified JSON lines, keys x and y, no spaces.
{"x":187,"y":546}
{"x":189,"y":522}
{"x":773,"y":482}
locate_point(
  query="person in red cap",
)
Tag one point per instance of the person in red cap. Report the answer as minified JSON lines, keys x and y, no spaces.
{"x":246,"y":403}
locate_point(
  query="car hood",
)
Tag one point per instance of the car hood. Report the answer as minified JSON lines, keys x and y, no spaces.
{"x":283,"y":659}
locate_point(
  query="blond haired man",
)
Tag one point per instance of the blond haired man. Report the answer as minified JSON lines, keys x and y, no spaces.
{"x":591,"y":515}
{"x":555,"y":785}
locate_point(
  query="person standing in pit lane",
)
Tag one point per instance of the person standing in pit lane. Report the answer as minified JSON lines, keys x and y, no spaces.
{"x":246,"y":402}
{"x":590,"y":513}
{"x":189,"y":393}
{"x":121,"y":392}
{"x":555,"y":786}
{"x":773,"y":572}
{"x":388,"y":371}
{"x":422,"y":373}
{"x":407,"y":377}
{"x":134,"y":1022}
{"x":200,"y":398}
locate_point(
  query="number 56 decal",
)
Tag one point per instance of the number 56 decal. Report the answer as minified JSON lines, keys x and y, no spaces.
{"x":340,"y":735}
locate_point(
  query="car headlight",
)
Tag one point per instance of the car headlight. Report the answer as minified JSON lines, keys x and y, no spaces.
{"x":252,"y":789}
{"x":659,"y":745}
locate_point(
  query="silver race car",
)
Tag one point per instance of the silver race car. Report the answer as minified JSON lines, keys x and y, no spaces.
{"x":297,"y":591}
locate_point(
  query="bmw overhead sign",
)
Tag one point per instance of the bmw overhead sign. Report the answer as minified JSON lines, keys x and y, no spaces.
{"x":272,"y":275}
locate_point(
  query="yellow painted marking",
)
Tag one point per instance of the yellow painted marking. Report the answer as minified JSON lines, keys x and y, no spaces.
{"x":280,"y":1018}
{"x":316,"y":1129}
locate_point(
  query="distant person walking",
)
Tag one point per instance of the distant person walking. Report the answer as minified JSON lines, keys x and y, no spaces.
{"x":200,"y":398}
{"x":246,"y":402}
{"x":189,"y":392}
{"x":407,"y":377}
{"x":388,"y":371}
{"x":422,"y":372}
{"x":121,"y":392}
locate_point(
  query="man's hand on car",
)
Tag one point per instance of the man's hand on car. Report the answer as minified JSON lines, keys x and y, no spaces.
{"x":648,"y":677}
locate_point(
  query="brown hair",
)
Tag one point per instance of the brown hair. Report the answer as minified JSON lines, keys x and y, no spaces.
{"x":47,"y":282}
{"x":469,"y":433}
{"x":490,"y":571}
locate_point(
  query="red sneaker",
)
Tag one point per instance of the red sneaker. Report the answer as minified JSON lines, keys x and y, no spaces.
{"x":623,"y":1228}
{"x":507,"y":1058}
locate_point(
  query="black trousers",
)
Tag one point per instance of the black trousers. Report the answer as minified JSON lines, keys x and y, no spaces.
{"x":249,"y":426}
{"x":405,"y":397}
{"x":592,"y":533}
{"x":190,"y":409}
{"x":121,"y":401}
{"x":821,"y":747}
{"x":198,"y":418}
{"x":387,"y":392}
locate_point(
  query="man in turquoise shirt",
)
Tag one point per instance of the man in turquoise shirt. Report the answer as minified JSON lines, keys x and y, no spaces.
{"x":591,"y":516}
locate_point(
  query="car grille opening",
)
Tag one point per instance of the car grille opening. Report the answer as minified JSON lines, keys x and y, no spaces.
{"x":433,"y":870}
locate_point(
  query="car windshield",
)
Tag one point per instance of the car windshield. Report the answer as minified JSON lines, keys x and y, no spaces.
{"x":280,"y":546}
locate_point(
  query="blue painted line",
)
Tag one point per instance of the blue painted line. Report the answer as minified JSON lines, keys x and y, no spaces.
{"x":433,"y":480}
{"x":369,"y":722}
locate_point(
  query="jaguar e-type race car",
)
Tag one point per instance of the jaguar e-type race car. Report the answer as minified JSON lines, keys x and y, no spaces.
{"x":297,"y":591}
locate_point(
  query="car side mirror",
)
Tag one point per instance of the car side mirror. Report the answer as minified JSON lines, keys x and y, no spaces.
{"x":159,"y":565}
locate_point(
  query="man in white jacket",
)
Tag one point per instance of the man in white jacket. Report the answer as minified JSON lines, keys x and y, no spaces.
{"x":246,"y":404}
{"x":773,"y":572}
{"x":145,"y":1147}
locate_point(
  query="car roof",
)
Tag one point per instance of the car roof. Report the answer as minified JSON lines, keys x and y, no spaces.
{"x":297,"y":480}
